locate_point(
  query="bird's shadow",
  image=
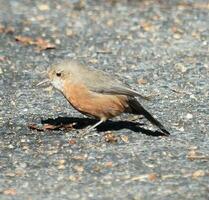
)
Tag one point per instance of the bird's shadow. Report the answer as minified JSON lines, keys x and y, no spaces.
{"x":81,"y":123}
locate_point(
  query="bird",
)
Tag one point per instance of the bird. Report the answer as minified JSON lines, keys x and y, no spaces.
{"x":96,"y":93}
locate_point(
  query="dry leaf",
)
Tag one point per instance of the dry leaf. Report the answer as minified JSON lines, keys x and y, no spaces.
{"x":139,"y":178}
{"x":74,"y":178}
{"x":78,"y":168}
{"x":180,"y":67}
{"x":142,"y":81}
{"x":35,"y":127}
{"x":24,"y":40}
{"x":10,"y":174}
{"x":177,"y":36}
{"x":40,"y":43}
{"x":152,"y":176}
{"x":147,"y":26}
{"x":68,"y":126}
{"x":177,"y":32}
{"x":80,"y":157}
{"x":194,"y":155}
{"x":108,"y":164}
{"x":175,"y":29}
{"x":51,"y":127}
{"x":110,"y":137}
{"x":70,"y":32}
{"x":198,"y":173}
{"x":201,"y":5}
{"x":124,"y":138}
{"x":43,"y":44}
{"x":93,"y":61}
{"x":144,"y":177}
{"x":7,"y":30}
{"x":72,"y":141}
{"x":10,"y":191}
{"x":40,"y":18}
{"x":43,"y":7}
{"x":185,"y":5}
{"x":61,"y":162}
{"x":61,"y":167}
{"x":196,"y":34}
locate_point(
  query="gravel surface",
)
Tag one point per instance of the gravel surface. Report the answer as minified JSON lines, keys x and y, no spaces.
{"x":158,"y":47}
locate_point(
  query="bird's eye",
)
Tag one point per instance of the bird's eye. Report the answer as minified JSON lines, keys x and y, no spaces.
{"x":58,"y":74}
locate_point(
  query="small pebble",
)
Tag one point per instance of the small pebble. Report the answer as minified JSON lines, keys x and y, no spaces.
{"x":43,"y":7}
{"x":180,"y":67}
{"x":189,"y":116}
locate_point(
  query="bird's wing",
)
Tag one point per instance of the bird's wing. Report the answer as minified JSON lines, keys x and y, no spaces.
{"x":108,"y":85}
{"x":117,"y":90}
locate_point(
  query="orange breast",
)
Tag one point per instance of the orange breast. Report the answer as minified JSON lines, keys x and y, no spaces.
{"x":95,"y":104}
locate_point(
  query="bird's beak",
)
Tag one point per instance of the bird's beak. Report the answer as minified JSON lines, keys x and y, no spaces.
{"x":42,"y":82}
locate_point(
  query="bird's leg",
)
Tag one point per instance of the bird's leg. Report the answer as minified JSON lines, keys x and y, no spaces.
{"x":86,"y":131}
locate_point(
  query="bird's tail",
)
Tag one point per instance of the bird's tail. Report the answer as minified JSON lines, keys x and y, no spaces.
{"x":136,"y":108}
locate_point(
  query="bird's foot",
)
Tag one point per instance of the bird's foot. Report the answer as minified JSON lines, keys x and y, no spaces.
{"x":87,"y":132}
{"x":90,"y":128}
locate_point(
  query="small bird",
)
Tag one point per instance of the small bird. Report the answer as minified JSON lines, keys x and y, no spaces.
{"x":96,"y":93}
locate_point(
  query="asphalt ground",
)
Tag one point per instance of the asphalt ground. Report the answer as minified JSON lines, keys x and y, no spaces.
{"x":160,"y":48}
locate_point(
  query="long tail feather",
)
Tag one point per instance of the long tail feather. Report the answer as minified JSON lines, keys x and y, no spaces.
{"x":136,"y":108}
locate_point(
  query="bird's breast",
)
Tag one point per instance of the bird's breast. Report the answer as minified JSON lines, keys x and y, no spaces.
{"x":94,"y":104}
